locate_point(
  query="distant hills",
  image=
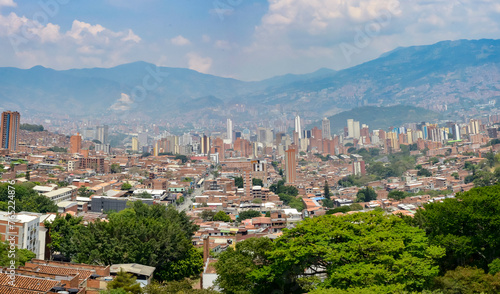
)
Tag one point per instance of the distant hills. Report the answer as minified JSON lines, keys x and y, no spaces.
{"x":380,"y":117}
{"x":450,"y":74}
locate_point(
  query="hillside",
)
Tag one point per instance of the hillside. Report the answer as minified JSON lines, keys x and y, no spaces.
{"x":448,"y":74}
{"x":380,"y":117}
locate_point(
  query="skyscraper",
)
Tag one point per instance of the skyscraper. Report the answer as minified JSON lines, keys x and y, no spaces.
{"x":205,"y":145}
{"x":102,"y":134}
{"x":290,"y":165}
{"x":350,"y":128}
{"x":229,"y":130}
{"x":356,"y":130}
{"x":10,"y":130}
{"x":75,"y":144}
{"x":325,"y":129}
{"x":298,"y":127}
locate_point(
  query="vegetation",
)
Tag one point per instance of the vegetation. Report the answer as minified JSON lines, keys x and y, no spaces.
{"x":26,"y":199}
{"x":31,"y":128}
{"x":353,"y":251}
{"x":58,"y":149}
{"x":84,"y":192}
{"x":125,"y":281}
{"x":126,"y":186}
{"x":20,"y":256}
{"x":238,"y":182}
{"x":424,"y":172}
{"x":146,"y":234}
{"x":257,"y":182}
{"x":221,"y":216}
{"x":247,"y":214}
{"x":115,"y":168}
{"x":366,"y":195}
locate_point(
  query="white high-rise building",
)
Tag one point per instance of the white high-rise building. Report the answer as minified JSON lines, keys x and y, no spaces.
{"x":298,"y":127}
{"x":350,"y":128}
{"x":229,"y":135}
{"x":356,"y":130}
{"x":325,"y":129}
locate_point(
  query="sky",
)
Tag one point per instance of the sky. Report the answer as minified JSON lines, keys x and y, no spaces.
{"x":242,"y":39}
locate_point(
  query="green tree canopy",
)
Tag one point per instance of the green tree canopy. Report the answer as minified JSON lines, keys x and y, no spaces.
{"x":352,"y":251}
{"x":248,"y":214}
{"x":221,"y":216}
{"x":125,"y":281}
{"x":366,"y":195}
{"x":467,"y":226}
{"x":257,"y":182}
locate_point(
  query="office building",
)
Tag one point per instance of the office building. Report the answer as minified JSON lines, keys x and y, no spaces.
{"x":350,"y":128}
{"x":298,"y":126}
{"x":135,"y":144}
{"x":10,"y":130}
{"x":229,"y":134}
{"x":325,"y":129}
{"x":205,"y":145}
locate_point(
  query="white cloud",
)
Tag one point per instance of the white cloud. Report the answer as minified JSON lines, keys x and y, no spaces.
{"x":180,"y":41}
{"x":199,"y":63}
{"x":7,"y":3}
{"x":224,"y":45}
{"x":205,"y":38}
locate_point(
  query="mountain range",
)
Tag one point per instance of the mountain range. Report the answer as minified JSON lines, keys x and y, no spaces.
{"x":448,"y":74}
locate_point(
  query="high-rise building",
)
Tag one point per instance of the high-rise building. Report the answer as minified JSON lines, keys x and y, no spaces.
{"x":10,"y":130}
{"x":75,"y":144}
{"x":290,"y":165}
{"x":474,"y":126}
{"x":135,"y":144}
{"x":229,"y":135}
{"x":325,"y":129}
{"x":102,"y":134}
{"x":356,"y":130}
{"x":298,"y":126}
{"x":350,"y":128}
{"x":205,"y":145}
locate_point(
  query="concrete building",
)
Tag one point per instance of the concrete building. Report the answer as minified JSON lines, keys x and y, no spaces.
{"x":23,"y":228}
{"x":290,"y":165}
{"x":325,"y":129}
{"x":9,"y":133}
{"x":298,"y":126}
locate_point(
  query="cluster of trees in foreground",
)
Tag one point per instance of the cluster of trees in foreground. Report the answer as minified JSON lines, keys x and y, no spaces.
{"x":26,"y":199}
{"x":449,"y":247}
{"x":146,"y":234}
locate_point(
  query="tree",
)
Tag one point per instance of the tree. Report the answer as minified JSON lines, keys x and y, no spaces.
{"x":423,"y":172}
{"x":433,"y":160}
{"x":207,"y":215}
{"x":146,"y":234}
{"x":468,"y":280}
{"x":84,"y":192}
{"x":182,"y":158}
{"x":115,"y":168}
{"x":125,"y":281}
{"x":455,"y":175}
{"x":20,"y":256}
{"x":467,"y":226}
{"x":126,"y":186}
{"x":366,"y":195}
{"x":397,"y":195}
{"x":365,"y":249}
{"x":257,"y":182}
{"x":326,"y":190}
{"x":248,"y":214}
{"x":234,"y":265}
{"x":238,"y":182}
{"x":221,"y":216}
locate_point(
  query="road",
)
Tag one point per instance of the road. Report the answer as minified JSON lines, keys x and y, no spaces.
{"x":188,"y":201}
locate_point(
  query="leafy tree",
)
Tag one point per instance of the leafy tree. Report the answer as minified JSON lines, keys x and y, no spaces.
{"x":455,"y":175}
{"x":125,"y":281}
{"x":424,"y":172}
{"x":355,"y":207}
{"x":183,"y":158}
{"x":84,"y":192}
{"x":234,"y":265}
{"x":21,"y":256}
{"x":221,"y":216}
{"x":494,"y":266}
{"x":184,"y":287}
{"x":126,"y":186}
{"x":238,"y":182}
{"x":291,"y":201}
{"x":433,"y":160}
{"x":147,"y":234}
{"x":115,"y":168}
{"x":397,"y":195}
{"x":207,"y":215}
{"x":366,"y":195}
{"x":352,"y":251}
{"x":467,"y":226}
{"x":257,"y":201}
{"x":144,"y":195}
{"x":257,"y":182}
{"x":26,"y":199}
{"x":58,"y":149}
{"x":327,"y":203}
{"x":38,"y":203}
{"x":468,"y":280}
{"x":247,"y":214}
{"x":326,"y":190}
{"x":342,"y":209}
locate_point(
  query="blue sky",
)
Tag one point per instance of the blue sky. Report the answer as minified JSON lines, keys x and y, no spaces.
{"x":243,"y":39}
